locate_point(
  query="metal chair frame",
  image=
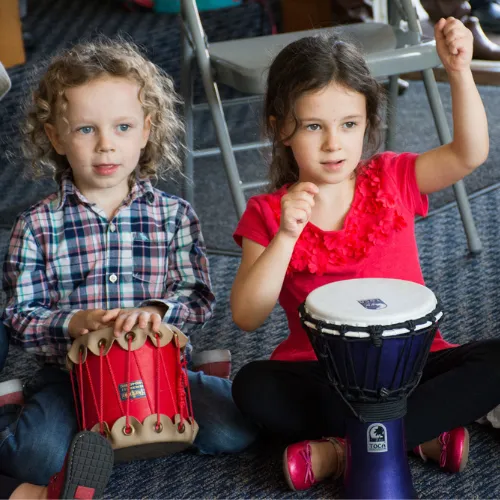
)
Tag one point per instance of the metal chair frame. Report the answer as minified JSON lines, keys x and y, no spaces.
{"x":390,"y":50}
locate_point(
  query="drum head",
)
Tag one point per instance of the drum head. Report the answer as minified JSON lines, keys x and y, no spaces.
{"x":370,"y":301}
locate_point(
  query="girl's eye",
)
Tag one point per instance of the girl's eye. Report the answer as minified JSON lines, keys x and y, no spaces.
{"x":349,"y":124}
{"x":86,"y":130}
{"x":313,"y":127}
{"x":123,"y":127}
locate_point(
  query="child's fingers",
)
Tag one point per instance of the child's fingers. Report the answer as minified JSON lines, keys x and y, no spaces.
{"x":291,"y":206}
{"x":438,"y":29}
{"x":309,"y":187}
{"x":155,"y":322}
{"x":110,"y":315}
{"x":143,"y":319}
{"x":124,"y":323}
{"x":298,"y":215}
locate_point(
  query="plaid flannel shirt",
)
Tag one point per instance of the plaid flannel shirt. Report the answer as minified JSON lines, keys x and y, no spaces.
{"x":65,"y":256}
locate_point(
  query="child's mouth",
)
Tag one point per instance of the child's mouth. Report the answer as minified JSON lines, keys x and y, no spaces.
{"x":106,"y":168}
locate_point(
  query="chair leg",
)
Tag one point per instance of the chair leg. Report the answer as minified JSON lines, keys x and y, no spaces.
{"x":187,"y":66}
{"x":224,"y":140}
{"x":444,"y":134}
{"x":391,"y":113}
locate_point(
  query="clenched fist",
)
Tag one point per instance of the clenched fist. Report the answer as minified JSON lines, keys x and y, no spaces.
{"x":296,"y":208}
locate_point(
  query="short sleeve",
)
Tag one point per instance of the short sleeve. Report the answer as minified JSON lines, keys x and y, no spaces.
{"x":258,"y":222}
{"x":401,"y":168}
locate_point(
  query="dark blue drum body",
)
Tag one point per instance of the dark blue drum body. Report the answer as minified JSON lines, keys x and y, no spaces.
{"x":374,"y":368}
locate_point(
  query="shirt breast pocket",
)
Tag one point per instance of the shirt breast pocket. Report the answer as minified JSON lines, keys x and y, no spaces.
{"x":150,"y":263}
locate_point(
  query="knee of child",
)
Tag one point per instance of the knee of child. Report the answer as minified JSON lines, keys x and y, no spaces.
{"x":248,"y":386}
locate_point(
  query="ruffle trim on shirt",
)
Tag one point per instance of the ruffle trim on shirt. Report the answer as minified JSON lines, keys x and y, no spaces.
{"x":371,"y":220}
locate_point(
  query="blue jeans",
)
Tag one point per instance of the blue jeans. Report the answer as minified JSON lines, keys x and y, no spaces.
{"x":34,"y":440}
{"x":4,"y":345}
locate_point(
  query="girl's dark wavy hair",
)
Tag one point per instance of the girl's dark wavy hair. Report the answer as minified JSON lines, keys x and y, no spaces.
{"x":307,"y":65}
{"x":88,"y":61}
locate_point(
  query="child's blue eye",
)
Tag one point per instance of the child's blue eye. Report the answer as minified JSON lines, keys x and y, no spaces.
{"x":313,"y":127}
{"x":123,"y":127}
{"x":86,"y":130}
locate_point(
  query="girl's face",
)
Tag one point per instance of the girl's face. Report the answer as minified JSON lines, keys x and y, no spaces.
{"x":328,"y":143}
{"x":101,"y":133}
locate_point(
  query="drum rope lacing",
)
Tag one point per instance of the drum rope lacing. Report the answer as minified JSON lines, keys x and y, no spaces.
{"x":370,"y":402}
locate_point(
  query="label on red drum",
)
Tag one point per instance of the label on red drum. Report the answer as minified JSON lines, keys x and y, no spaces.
{"x":376,"y":438}
{"x":137,"y":390}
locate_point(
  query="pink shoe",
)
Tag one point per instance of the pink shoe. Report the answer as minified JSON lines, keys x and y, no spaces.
{"x":216,"y":362}
{"x":297,"y":465}
{"x":86,"y":470}
{"x":454,"y":450}
{"x":11,"y":392}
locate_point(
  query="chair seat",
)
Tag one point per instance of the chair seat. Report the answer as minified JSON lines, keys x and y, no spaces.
{"x":243,"y":63}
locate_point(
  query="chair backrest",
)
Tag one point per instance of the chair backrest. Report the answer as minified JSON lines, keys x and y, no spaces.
{"x":399,"y":10}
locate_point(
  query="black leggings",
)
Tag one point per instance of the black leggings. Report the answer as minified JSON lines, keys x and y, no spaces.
{"x":293,"y":400}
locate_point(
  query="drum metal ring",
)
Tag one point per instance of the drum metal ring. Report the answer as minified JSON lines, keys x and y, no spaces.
{"x":101,"y":343}
{"x":159,"y":334}
{"x":181,"y":428}
{"x":158,"y":428}
{"x":128,"y":431}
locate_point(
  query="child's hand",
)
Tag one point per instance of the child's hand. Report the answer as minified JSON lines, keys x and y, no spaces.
{"x":453,"y":44}
{"x":126,"y":319}
{"x":91,"y":320}
{"x":296,"y":207}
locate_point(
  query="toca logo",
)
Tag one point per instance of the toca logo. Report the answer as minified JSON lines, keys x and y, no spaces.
{"x":376,"y":438}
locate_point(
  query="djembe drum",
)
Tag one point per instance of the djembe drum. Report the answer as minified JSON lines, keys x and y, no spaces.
{"x":373,"y":337}
{"x":134,"y":390}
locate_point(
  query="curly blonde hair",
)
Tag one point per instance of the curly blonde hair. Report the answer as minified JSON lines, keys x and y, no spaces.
{"x":89,"y":61}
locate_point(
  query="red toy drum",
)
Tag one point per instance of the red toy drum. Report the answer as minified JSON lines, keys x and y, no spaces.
{"x":134,"y":390}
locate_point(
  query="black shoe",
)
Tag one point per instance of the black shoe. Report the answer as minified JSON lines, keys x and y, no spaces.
{"x":489,"y":17}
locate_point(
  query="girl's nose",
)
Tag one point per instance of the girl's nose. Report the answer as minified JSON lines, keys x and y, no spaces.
{"x":331,"y":142}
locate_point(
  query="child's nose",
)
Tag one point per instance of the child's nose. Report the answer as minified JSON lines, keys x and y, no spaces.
{"x":105,"y":144}
{"x":331,"y":142}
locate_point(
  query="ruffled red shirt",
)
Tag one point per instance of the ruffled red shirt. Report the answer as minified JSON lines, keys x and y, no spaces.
{"x":377,"y":241}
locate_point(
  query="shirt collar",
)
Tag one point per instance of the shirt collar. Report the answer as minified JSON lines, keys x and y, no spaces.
{"x":139,"y":189}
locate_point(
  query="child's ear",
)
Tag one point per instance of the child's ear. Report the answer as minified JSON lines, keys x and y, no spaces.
{"x":54,"y":139}
{"x":146,"y":130}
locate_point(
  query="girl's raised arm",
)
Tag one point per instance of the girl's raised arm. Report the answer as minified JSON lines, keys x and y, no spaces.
{"x":445,"y":165}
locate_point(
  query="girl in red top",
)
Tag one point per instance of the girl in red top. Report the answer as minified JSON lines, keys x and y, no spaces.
{"x":332,"y":216}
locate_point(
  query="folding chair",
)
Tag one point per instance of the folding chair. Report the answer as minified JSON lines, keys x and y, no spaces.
{"x":390,"y":50}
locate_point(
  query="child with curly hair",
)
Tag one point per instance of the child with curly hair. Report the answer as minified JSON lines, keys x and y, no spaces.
{"x":106,"y":249}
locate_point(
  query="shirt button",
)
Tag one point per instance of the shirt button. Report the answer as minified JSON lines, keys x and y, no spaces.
{"x":113,"y":278}
{"x":112,"y":227}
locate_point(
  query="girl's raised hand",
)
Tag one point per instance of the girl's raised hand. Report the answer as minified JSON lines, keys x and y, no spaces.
{"x":296,"y":207}
{"x":453,"y":44}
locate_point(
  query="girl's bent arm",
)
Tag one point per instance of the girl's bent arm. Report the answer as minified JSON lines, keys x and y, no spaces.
{"x":258,"y":282}
{"x":443,"y":166}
